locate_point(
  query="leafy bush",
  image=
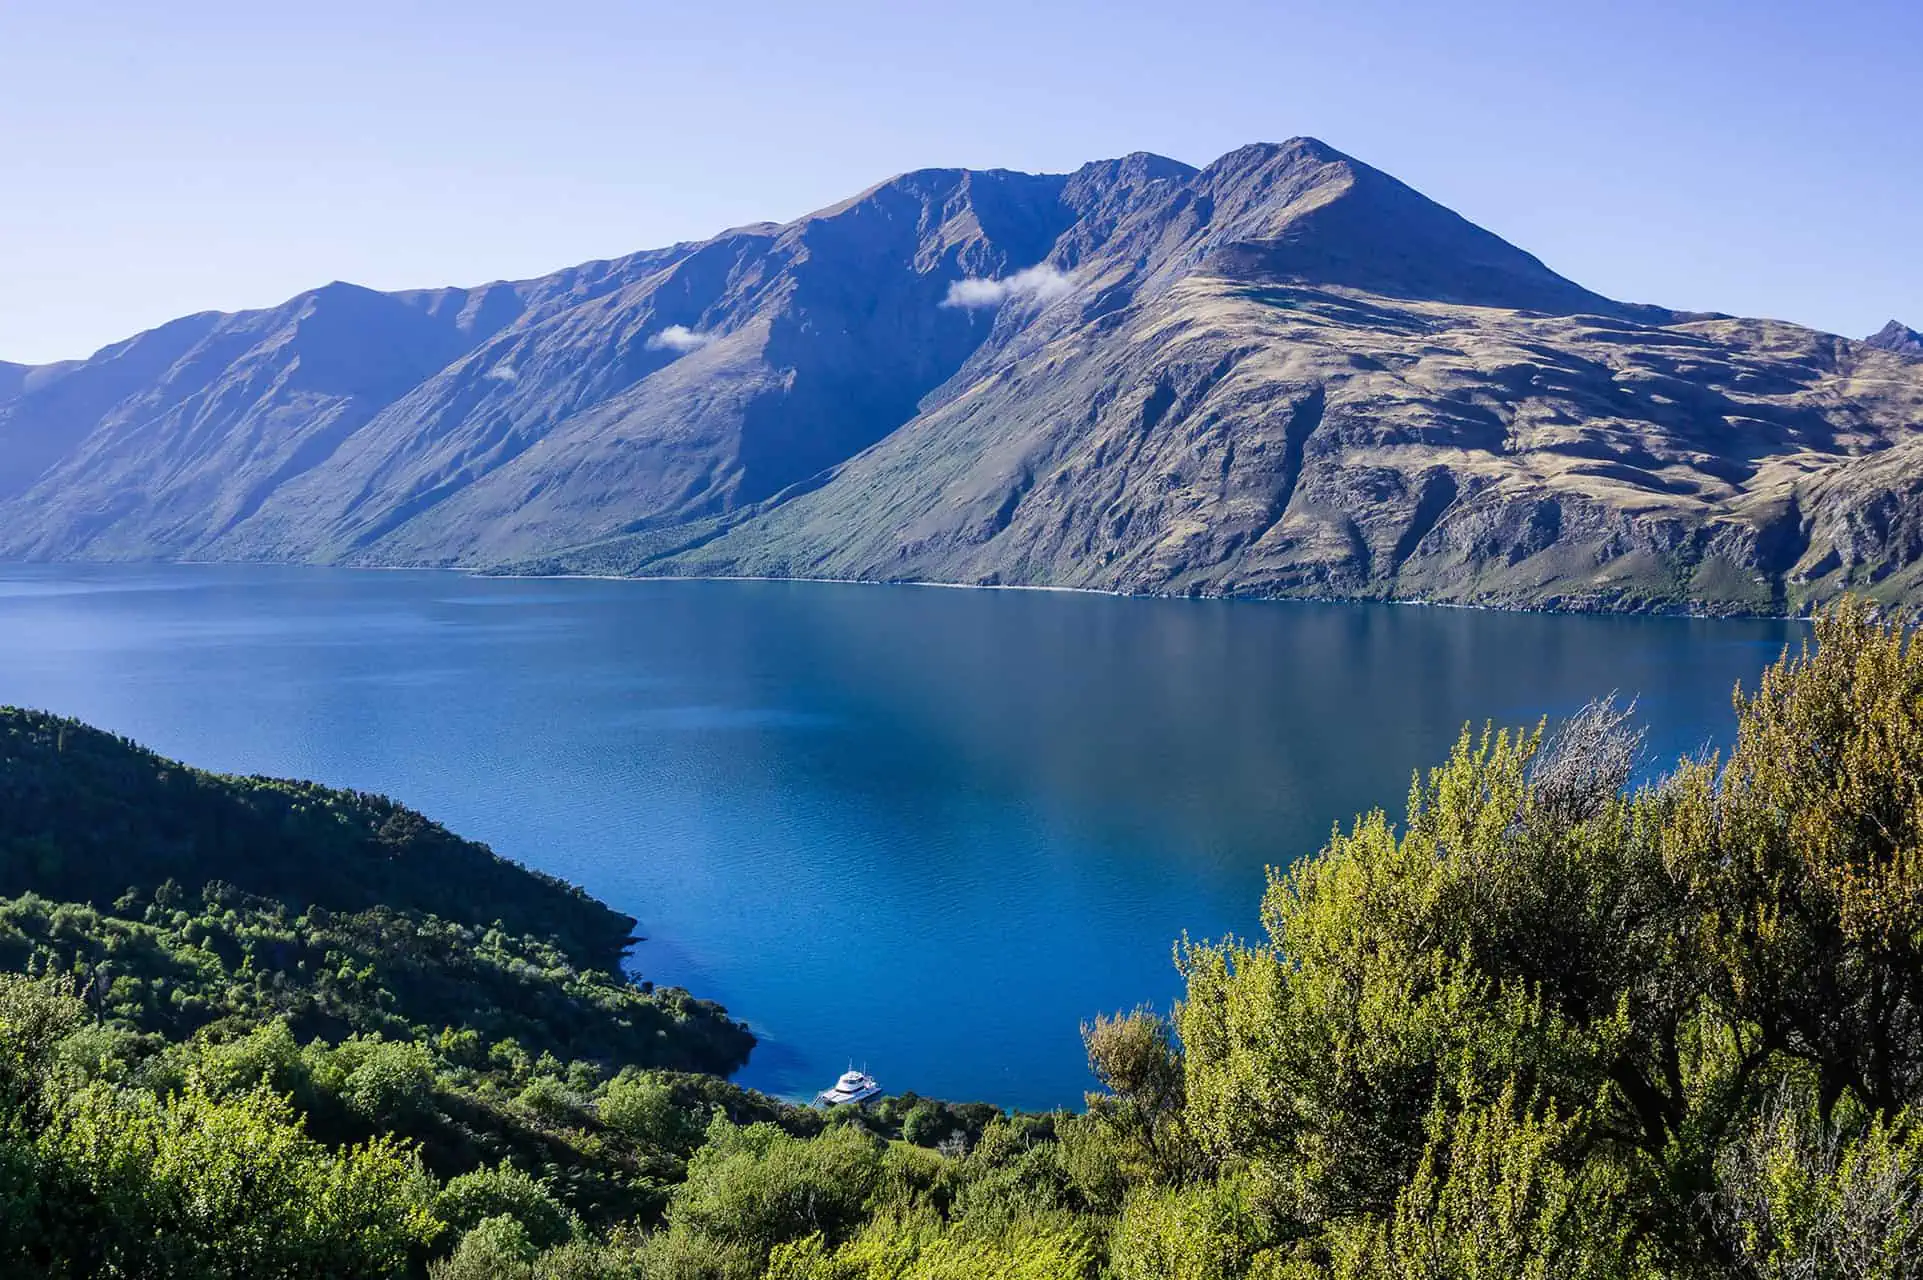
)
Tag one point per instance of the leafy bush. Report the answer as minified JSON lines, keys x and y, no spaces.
{"x":390,"y":1084}
{"x":495,"y":1248}
{"x":646,"y":1110}
{"x":551,"y":1100}
{"x":1203,"y":1232}
{"x":504,"y":1192}
{"x":757,"y":1187}
{"x":193,"y":1184}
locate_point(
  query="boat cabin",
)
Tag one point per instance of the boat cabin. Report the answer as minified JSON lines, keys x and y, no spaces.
{"x":854,"y":1086}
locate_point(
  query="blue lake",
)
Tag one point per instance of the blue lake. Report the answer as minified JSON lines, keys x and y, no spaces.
{"x":924,"y":830}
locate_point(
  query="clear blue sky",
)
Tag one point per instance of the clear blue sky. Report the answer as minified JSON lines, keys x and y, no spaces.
{"x":1762,"y":157}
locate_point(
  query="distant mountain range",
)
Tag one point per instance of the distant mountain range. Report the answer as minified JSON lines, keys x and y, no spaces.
{"x":1285,"y":374}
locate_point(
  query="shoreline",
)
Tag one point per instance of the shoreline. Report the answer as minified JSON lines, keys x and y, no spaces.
{"x":1732,"y":615}
{"x":1545,"y":610}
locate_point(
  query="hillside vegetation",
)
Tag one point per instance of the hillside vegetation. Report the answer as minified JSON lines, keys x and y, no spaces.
{"x":1541,"y":1025}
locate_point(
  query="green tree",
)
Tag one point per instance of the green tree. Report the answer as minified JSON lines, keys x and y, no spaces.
{"x":1802,"y":858}
{"x":197,"y":1185}
{"x":1143,"y":1105}
{"x":756,"y":1186}
{"x":1798,"y":1195}
{"x":495,"y":1248}
{"x":504,"y":1192}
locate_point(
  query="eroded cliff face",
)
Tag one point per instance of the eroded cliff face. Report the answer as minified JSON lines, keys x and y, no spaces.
{"x":1285,"y":374}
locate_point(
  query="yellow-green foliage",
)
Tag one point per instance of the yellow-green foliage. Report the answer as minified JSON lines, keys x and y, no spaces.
{"x":1646,"y":971}
{"x":646,"y":1110}
{"x":757,"y":1186}
{"x":1139,"y":1119}
{"x":195,"y":1184}
{"x":1803,"y":861}
{"x":1800,"y":1197}
{"x":1200,"y":1232}
{"x":922,"y":1249}
{"x":1478,"y":944}
{"x":1497,"y":1195}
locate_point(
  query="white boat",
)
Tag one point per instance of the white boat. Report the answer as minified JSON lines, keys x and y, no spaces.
{"x":854,"y":1086}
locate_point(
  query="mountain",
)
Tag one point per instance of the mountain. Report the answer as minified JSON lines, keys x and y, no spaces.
{"x":13,"y":378}
{"x":1897,"y":337}
{"x":1283,"y":374}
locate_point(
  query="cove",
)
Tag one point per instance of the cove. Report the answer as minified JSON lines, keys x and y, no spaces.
{"x":923,"y":831}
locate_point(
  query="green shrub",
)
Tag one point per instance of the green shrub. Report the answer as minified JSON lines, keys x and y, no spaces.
{"x":925,"y":1125}
{"x":140,"y":1186}
{"x":756,"y":1186}
{"x":1797,"y":1196}
{"x":504,"y":1192}
{"x":551,"y":1100}
{"x":681,"y":1254}
{"x":494,"y":1248}
{"x":646,"y":1111}
{"x":391,"y":1084}
{"x":1203,"y":1232}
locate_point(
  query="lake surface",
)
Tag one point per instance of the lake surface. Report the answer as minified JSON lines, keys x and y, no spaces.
{"x":926,"y":830}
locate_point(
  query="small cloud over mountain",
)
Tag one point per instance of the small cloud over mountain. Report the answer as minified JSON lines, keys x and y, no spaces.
{"x":1041,"y":282}
{"x":679,"y":337}
{"x":501,"y":373}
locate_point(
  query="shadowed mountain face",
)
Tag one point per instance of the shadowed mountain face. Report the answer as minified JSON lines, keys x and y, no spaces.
{"x":1897,"y":337}
{"x":1284,"y":374}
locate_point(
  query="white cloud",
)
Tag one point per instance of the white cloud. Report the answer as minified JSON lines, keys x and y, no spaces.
{"x":501,"y":373}
{"x":1041,"y":282}
{"x":679,"y":337}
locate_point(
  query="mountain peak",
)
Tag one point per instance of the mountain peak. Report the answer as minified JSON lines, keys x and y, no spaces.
{"x":1296,"y":150}
{"x":1302,"y":211}
{"x":1898,"y":337}
{"x":1136,"y":166}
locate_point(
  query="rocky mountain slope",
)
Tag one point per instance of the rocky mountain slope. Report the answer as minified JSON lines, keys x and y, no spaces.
{"x":1284,"y":374}
{"x":1898,"y":337}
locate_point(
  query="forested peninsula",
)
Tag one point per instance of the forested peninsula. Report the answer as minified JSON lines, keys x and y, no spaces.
{"x":1549,"y":1022}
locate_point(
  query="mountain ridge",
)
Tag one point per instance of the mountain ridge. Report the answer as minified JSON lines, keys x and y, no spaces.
{"x":1283,"y":373}
{"x":1898,"y":337}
